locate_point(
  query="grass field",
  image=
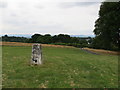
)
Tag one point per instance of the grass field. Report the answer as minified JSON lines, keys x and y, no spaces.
{"x":62,"y":68}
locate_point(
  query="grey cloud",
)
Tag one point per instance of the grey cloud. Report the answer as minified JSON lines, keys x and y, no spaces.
{"x":13,"y":15}
{"x":85,"y":3}
{"x":31,"y":24}
{"x":39,"y":6}
{"x":3,"y":4}
{"x":66,"y":5}
{"x":24,"y":5}
{"x":76,"y":4}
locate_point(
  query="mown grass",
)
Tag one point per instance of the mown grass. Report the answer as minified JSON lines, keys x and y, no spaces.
{"x":62,"y":68}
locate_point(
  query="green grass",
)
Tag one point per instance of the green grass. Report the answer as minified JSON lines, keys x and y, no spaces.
{"x":0,"y":67}
{"x":62,"y":68}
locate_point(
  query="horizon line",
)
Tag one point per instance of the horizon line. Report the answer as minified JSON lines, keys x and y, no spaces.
{"x":39,"y":33}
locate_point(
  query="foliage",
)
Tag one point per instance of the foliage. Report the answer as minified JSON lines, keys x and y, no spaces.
{"x":34,"y":38}
{"x":107,"y":26}
{"x":61,"y":39}
{"x":14,"y":39}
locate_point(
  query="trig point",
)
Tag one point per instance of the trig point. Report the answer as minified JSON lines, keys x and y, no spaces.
{"x":36,"y":54}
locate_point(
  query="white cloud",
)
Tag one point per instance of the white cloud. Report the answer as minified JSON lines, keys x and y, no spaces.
{"x":30,"y":16}
{"x":3,"y":4}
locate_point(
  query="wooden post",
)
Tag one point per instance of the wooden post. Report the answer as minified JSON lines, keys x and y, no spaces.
{"x":36,"y":54}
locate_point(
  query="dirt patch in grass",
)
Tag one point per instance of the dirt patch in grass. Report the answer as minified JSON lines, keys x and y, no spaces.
{"x":102,"y":51}
{"x":29,"y":44}
{"x":15,"y":44}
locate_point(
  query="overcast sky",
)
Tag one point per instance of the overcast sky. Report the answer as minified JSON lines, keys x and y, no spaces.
{"x":48,"y":16}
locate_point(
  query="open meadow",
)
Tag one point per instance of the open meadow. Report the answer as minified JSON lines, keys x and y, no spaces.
{"x":63,"y":67}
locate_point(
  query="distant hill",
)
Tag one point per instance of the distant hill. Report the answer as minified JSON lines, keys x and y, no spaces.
{"x":29,"y":35}
{"x":82,"y":35}
{"x":20,"y":35}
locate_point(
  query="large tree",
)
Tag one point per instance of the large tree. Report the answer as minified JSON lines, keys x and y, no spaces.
{"x":35,"y":37}
{"x":107,"y":26}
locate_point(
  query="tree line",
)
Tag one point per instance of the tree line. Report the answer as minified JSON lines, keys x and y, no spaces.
{"x":61,"y":39}
{"x":7,"y":38}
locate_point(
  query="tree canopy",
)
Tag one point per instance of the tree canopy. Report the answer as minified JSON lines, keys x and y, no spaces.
{"x":107,"y":26}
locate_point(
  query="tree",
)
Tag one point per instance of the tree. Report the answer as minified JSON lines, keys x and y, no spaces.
{"x":74,"y":40}
{"x":107,"y":26}
{"x":14,"y":39}
{"x":34,"y":38}
{"x":47,"y":38}
{"x":64,"y":38}
{"x":54,"y":39}
{"x":6,"y":35}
